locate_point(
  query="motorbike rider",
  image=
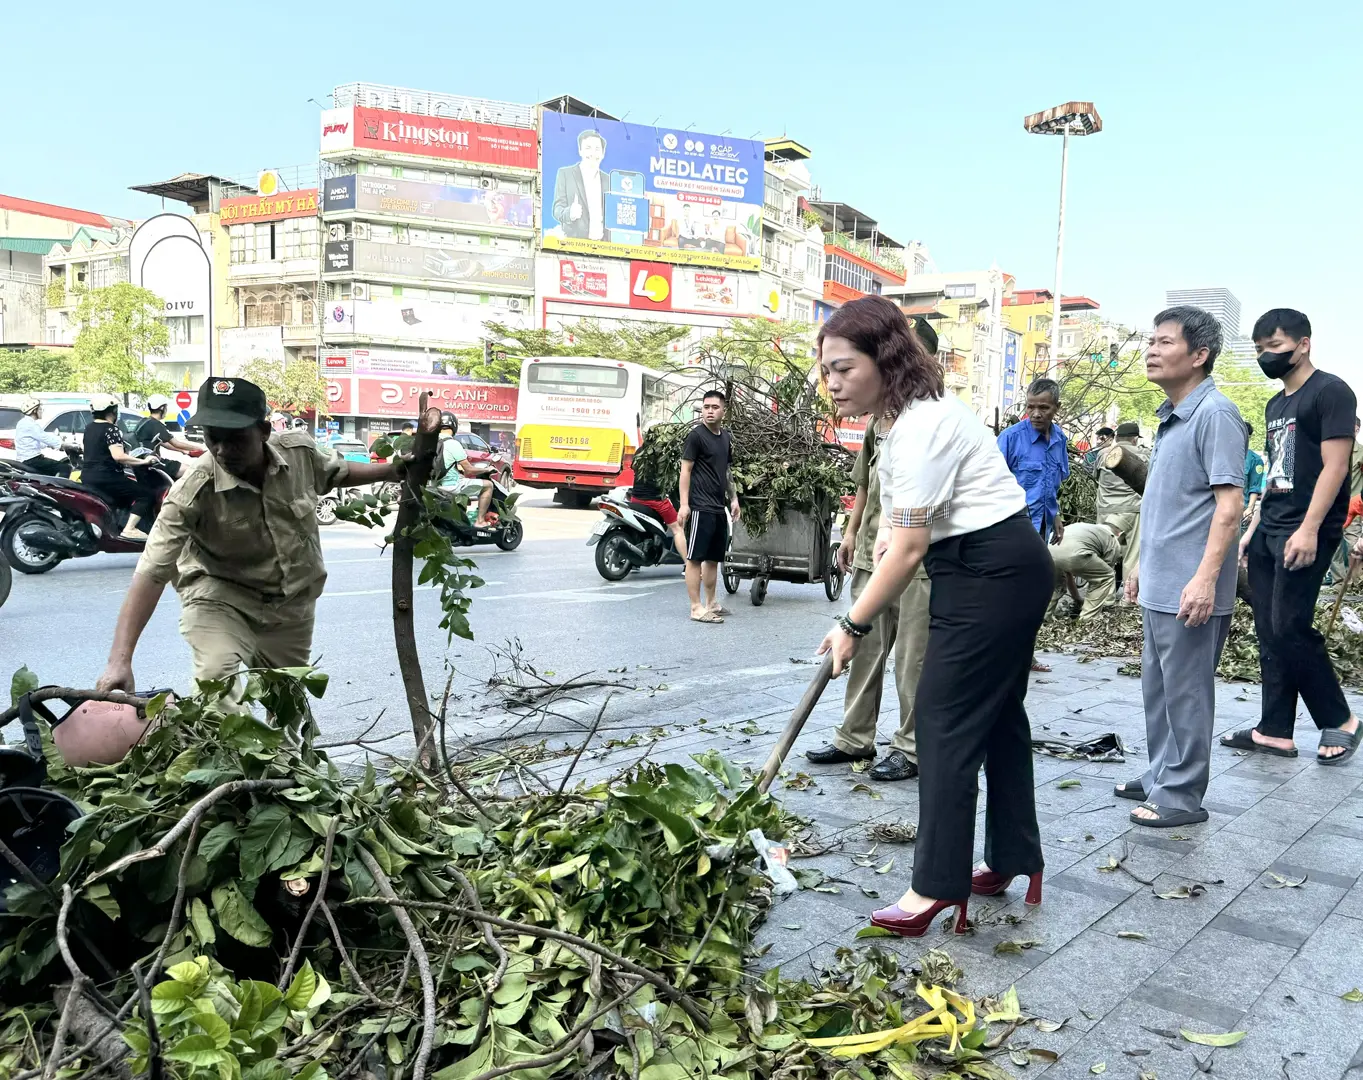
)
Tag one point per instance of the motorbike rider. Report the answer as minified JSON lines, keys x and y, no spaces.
{"x":647,"y":492}
{"x":153,"y":434}
{"x":238,"y":537}
{"x":30,"y":439}
{"x":106,"y":456}
{"x":455,"y":473}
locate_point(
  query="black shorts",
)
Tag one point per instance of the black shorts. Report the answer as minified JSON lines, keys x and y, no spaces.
{"x":707,"y":536}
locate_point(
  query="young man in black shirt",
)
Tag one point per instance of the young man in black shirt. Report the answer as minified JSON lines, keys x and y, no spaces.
{"x":1296,"y":527}
{"x":153,"y":434}
{"x":708,"y":503}
{"x":105,"y":459}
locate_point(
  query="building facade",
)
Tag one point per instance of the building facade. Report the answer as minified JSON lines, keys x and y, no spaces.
{"x":1224,"y":306}
{"x":428,"y":218}
{"x":792,"y":236}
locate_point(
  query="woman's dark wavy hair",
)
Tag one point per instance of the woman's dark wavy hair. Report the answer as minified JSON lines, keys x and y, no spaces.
{"x":876,"y":327}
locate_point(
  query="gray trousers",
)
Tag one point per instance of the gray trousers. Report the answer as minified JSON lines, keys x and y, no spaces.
{"x":1178,"y":682}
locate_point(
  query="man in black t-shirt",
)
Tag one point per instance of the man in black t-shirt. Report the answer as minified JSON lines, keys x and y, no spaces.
{"x":1296,"y":526}
{"x":105,"y":459}
{"x":153,"y":434}
{"x":708,"y":503}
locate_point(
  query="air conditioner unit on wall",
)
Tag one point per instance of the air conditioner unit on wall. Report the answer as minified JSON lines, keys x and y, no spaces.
{"x":486,"y":182}
{"x":361,"y":230}
{"x":359,"y":291}
{"x":515,"y":303}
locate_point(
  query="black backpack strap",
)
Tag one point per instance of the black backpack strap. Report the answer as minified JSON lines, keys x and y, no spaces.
{"x":30,"y":710}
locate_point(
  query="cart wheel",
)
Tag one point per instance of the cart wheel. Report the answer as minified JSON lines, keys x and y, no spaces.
{"x":731,"y":580}
{"x":833,"y":581}
{"x":758,"y":592}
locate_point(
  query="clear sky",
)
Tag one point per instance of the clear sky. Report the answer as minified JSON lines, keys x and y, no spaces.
{"x":1231,"y":151}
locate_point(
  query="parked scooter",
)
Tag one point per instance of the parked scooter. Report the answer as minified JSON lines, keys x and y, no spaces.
{"x":63,"y":519}
{"x":8,"y":503}
{"x":629,"y":536}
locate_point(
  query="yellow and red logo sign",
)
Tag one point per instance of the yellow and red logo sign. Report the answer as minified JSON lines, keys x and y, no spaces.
{"x":650,"y":286}
{"x":276,"y":207}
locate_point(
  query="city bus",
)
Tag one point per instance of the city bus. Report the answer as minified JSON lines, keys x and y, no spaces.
{"x":579,"y":420}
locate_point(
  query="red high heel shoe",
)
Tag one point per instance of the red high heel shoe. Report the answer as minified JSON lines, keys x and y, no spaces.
{"x":915,"y":924}
{"x":988,"y":883}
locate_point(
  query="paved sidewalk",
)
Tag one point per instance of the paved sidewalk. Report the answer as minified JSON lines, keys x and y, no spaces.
{"x":1240,"y":956}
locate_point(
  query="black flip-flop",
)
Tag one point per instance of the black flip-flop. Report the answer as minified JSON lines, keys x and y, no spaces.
{"x":1167,"y":817}
{"x":1339,"y":737}
{"x":1132,"y":789}
{"x":1244,"y":740}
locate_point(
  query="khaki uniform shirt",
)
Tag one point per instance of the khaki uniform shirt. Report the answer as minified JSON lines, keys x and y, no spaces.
{"x":1082,"y":540}
{"x":1115,"y":495}
{"x":866,"y":474}
{"x":219,"y":538}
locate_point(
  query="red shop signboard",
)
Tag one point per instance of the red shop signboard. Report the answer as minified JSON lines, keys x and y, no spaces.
{"x":481,"y":403}
{"x":445,"y":137}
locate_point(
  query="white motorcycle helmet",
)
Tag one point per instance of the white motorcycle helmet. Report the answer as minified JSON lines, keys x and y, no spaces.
{"x":30,"y":405}
{"x":157,"y":402}
{"x":102,"y":403}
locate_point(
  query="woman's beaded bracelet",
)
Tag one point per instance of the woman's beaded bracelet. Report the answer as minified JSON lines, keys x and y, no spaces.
{"x":851,"y":629}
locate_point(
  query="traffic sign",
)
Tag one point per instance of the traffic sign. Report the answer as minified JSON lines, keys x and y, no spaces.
{"x":183,"y":417}
{"x":183,"y":400}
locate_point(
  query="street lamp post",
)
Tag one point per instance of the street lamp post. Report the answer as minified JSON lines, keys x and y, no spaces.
{"x":1076,"y":118}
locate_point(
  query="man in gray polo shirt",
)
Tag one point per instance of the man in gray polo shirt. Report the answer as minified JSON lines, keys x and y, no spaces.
{"x":1186,"y":578}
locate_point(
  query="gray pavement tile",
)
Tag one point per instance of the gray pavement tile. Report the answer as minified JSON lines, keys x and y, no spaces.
{"x":1076,"y":881}
{"x":1093,"y":972}
{"x":1346,"y":819}
{"x":1289,"y":916}
{"x":1292,"y":1033}
{"x":1331,"y":961}
{"x":1352,"y":904}
{"x":1261,"y":766}
{"x":1238,"y":787}
{"x":1255,"y":930}
{"x":1342,"y":882}
{"x":1181,"y":1003}
{"x":1104,"y":821}
{"x":1127,"y":1028}
{"x":1276,"y":818}
{"x":1144,"y":861}
{"x":818,"y":920}
{"x":1167,"y":924}
{"x":1340,"y":855}
{"x":1320,"y":786}
{"x":1062,"y":915}
{"x":1219,"y":969}
{"x":1230,"y":857}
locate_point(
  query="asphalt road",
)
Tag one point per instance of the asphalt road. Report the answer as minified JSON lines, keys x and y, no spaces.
{"x":547,"y":595}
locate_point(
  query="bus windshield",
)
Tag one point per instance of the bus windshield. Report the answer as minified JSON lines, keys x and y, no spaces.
{"x":606,"y":382}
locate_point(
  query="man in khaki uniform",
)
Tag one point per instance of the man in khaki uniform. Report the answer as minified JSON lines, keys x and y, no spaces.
{"x":1118,"y":504}
{"x":902,"y":630}
{"x":1090,"y":552}
{"x":237,"y":536}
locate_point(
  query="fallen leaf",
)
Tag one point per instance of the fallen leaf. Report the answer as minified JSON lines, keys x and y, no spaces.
{"x":860,"y":766}
{"x":1229,"y":1038}
{"x":869,"y":892}
{"x":892,"y":832}
{"x":1132,"y":935}
{"x":1281,"y":882}
{"x":866,"y":789}
{"x":1147,"y":1076}
{"x":1019,"y":1058}
{"x":1046,"y":1027}
{"x":1109,"y":866}
{"x":1089,"y":836}
{"x":1044,"y":1055}
{"x":887,"y":867}
{"x":1163,"y":1033}
{"x":797,"y":926}
{"x":1064,"y":785}
{"x":1136,"y":1053}
{"x":1004,"y":947}
{"x":1354,"y":996}
{"x":1101,"y":1067}
{"x":874,"y":931}
{"x":1006,"y":1009}
{"x":1182,"y":892}
{"x":1178,"y":836}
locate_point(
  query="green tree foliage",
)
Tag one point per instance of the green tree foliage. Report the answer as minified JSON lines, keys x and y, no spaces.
{"x":121,"y":332}
{"x":34,"y":370}
{"x":498,"y":357}
{"x":293,"y":386}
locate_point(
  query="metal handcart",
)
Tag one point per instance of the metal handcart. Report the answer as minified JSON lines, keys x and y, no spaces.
{"x":799,"y":549}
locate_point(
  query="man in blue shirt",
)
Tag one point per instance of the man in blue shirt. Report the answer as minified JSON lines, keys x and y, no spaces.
{"x":1038,"y":456}
{"x":1254,"y":479}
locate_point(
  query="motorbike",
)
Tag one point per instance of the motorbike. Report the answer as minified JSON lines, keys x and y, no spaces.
{"x":7,"y":504}
{"x":65,"y":519}
{"x":630,"y":536}
{"x":505,"y":528}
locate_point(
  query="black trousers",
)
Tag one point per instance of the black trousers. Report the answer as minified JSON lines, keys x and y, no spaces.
{"x":119,"y":491}
{"x":989,"y":594}
{"x":1292,"y":657}
{"x":47,"y":466}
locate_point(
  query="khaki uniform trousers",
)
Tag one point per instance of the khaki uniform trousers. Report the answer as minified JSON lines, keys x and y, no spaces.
{"x":226,"y":636}
{"x":1130,"y":524}
{"x":901,"y":631}
{"x":1100,"y":584}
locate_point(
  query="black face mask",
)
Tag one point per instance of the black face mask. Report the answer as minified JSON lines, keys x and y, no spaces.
{"x":1276,"y":364}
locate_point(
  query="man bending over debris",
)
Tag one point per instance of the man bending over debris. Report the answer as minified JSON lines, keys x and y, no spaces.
{"x":238,"y":538}
{"x":1092,"y":553}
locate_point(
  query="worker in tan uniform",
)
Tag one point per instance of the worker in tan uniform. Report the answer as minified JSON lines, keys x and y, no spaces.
{"x":1118,"y":504}
{"x":901,"y":631}
{"x":1090,"y":552}
{"x":237,"y":537}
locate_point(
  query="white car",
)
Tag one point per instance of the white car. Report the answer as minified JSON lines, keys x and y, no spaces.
{"x":67,"y":420}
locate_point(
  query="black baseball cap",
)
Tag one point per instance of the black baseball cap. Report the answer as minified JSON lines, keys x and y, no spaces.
{"x":926,"y":334}
{"x":230,"y":403}
{"x":1127,"y":429}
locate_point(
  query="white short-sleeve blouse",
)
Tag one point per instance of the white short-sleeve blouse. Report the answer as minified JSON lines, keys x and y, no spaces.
{"x":941,"y":469}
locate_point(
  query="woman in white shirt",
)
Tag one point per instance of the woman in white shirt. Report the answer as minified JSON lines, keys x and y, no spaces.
{"x":948,"y":501}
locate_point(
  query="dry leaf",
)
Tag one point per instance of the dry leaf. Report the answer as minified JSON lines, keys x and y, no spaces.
{"x":1109,"y":866}
{"x":1101,"y":1067}
{"x":1019,"y":1058}
{"x":893,"y":832}
{"x":1065,"y":785}
{"x":1004,"y":947}
{"x":861,"y":766}
{"x":1229,"y":1038}
{"x":1136,"y":1053}
{"x":866,"y":789}
{"x":869,"y":892}
{"x":1182,"y":892}
{"x":1044,"y":1055}
{"x":1147,"y":1076}
{"x":1133,"y":935}
{"x":887,"y":867}
{"x":1280,"y":882}
{"x":1047,"y":1026}
{"x":1005,"y":1010}
{"x":1354,"y":996}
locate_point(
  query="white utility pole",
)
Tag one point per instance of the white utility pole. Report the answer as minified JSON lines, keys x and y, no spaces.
{"x":1059,"y":252}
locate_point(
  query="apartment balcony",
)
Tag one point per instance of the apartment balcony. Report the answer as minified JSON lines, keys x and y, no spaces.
{"x":19,"y":277}
{"x":783,"y":270}
{"x":955,"y":379}
{"x":786,"y":220}
{"x":887,"y":258}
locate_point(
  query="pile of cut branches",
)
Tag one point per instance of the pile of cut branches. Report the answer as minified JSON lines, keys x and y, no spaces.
{"x":781,"y":426}
{"x":233,"y":905}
